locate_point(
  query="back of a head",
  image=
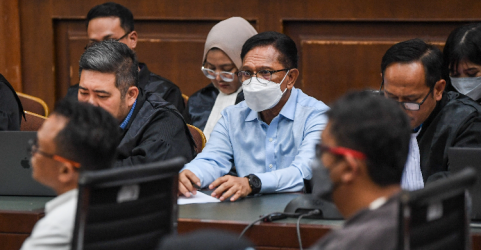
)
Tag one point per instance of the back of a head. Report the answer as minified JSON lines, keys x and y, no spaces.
{"x":90,"y":136}
{"x":112,"y":9}
{"x":375,"y":126}
{"x":112,"y":57}
{"x":463,"y":43}
{"x":416,"y":50}
{"x":281,"y":42}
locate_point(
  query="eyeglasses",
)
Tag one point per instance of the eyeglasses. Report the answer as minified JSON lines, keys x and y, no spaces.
{"x":412,"y":106}
{"x":33,"y":149}
{"x":224,"y":75}
{"x":321,"y":149}
{"x":264,"y":76}
{"x":118,"y":40}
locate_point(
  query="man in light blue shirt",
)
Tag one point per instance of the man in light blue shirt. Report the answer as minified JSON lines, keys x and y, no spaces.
{"x":270,"y":137}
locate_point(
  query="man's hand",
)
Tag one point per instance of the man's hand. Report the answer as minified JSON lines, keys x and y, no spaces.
{"x":186,"y":178}
{"x":228,"y":186}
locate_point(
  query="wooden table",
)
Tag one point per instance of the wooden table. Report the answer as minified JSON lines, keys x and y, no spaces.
{"x":18,"y":215}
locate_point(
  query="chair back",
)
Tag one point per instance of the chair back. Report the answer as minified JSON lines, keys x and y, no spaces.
{"x":128,"y":207}
{"x":186,"y":98}
{"x":199,"y":138}
{"x":33,"y":104}
{"x":436,"y":217}
{"x":32,"y":122}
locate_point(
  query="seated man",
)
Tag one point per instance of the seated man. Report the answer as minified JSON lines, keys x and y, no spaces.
{"x":113,"y":21}
{"x":269,"y":137}
{"x":11,"y":110}
{"x":412,"y":74}
{"x":153,"y":129}
{"x":75,"y":137}
{"x":362,"y":155}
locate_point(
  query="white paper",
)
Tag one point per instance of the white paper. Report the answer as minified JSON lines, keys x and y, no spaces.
{"x":198,"y":198}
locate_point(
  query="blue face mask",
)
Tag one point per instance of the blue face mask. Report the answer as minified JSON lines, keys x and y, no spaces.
{"x":469,"y":86}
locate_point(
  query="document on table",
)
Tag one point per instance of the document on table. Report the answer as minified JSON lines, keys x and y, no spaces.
{"x":198,"y":198}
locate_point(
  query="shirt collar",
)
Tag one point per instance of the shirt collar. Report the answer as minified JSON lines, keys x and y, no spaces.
{"x":61,"y":199}
{"x":127,"y":119}
{"x":288,"y":111}
{"x":377,"y":203}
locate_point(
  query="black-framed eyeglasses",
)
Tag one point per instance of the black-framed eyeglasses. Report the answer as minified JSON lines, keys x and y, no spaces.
{"x":341,"y":151}
{"x":33,"y":149}
{"x":226,"y":76}
{"x":412,"y":106}
{"x":118,"y":40}
{"x":263,"y":76}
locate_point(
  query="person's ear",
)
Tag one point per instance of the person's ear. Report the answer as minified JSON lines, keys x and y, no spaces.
{"x":351,"y":169}
{"x":132,"y":40}
{"x":291,"y":78}
{"x":131,"y":95}
{"x":67,"y":173}
{"x":439,"y":89}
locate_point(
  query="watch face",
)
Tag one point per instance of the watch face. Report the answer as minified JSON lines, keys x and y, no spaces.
{"x":255,"y":182}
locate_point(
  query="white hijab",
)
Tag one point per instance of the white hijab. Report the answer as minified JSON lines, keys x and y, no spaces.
{"x":229,"y":36}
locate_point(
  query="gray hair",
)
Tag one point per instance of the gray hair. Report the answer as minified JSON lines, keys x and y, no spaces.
{"x":112,"y":57}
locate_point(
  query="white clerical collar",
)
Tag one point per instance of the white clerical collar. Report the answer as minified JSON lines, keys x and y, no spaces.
{"x":377,"y":203}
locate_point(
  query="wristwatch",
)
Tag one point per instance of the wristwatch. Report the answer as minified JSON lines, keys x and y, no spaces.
{"x":255,"y":183}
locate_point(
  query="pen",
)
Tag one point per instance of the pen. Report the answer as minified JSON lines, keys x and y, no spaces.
{"x":195,"y":186}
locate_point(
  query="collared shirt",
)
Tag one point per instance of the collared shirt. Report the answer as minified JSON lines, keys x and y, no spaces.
{"x":412,"y":178}
{"x":127,"y":119}
{"x":54,"y":231}
{"x":279,"y":154}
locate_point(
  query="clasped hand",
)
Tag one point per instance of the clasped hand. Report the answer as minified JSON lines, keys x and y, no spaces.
{"x":226,"y":186}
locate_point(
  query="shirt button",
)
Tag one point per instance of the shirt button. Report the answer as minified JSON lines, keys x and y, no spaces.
{"x":270,"y":139}
{"x":270,"y":165}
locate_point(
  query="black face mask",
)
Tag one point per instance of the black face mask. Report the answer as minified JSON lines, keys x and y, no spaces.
{"x":322,"y":185}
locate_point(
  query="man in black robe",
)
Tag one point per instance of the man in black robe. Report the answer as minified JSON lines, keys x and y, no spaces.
{"x":412,"y":74}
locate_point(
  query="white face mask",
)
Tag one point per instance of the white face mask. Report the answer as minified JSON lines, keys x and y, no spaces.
{"x":470,"y":86}
{"x":262,"y":96}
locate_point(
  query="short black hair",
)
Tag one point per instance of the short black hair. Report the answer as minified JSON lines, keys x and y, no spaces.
{"x":112,"y":57}
{"x":112,"y":9}
{"x":463,"y":43}
{"x":282,"y":43}
{"x":415,"y":50}
{"x":375,"y":126}
{"x":90,"y":136}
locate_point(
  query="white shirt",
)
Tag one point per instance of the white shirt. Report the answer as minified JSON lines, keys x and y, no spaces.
{"x":412,"y":178}
{"x":54,"y":231}
{"x":221,"y":102}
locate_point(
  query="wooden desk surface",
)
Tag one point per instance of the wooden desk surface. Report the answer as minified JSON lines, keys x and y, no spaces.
{"x":18,"y":215}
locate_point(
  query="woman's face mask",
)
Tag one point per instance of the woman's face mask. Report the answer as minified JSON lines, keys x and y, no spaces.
{"x":469,"y":86}
{"x":467,"y":79}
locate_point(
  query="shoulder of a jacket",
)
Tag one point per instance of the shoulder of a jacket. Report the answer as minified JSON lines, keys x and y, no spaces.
{"x":462,"y":106}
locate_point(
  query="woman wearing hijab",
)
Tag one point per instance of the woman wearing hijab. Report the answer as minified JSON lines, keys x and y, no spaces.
{"x":462,"y":59}
{"x":220,"y":64}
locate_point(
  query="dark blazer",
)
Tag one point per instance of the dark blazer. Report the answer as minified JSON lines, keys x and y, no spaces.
{"x":200,"y":105}
{"x":156,"y":131}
